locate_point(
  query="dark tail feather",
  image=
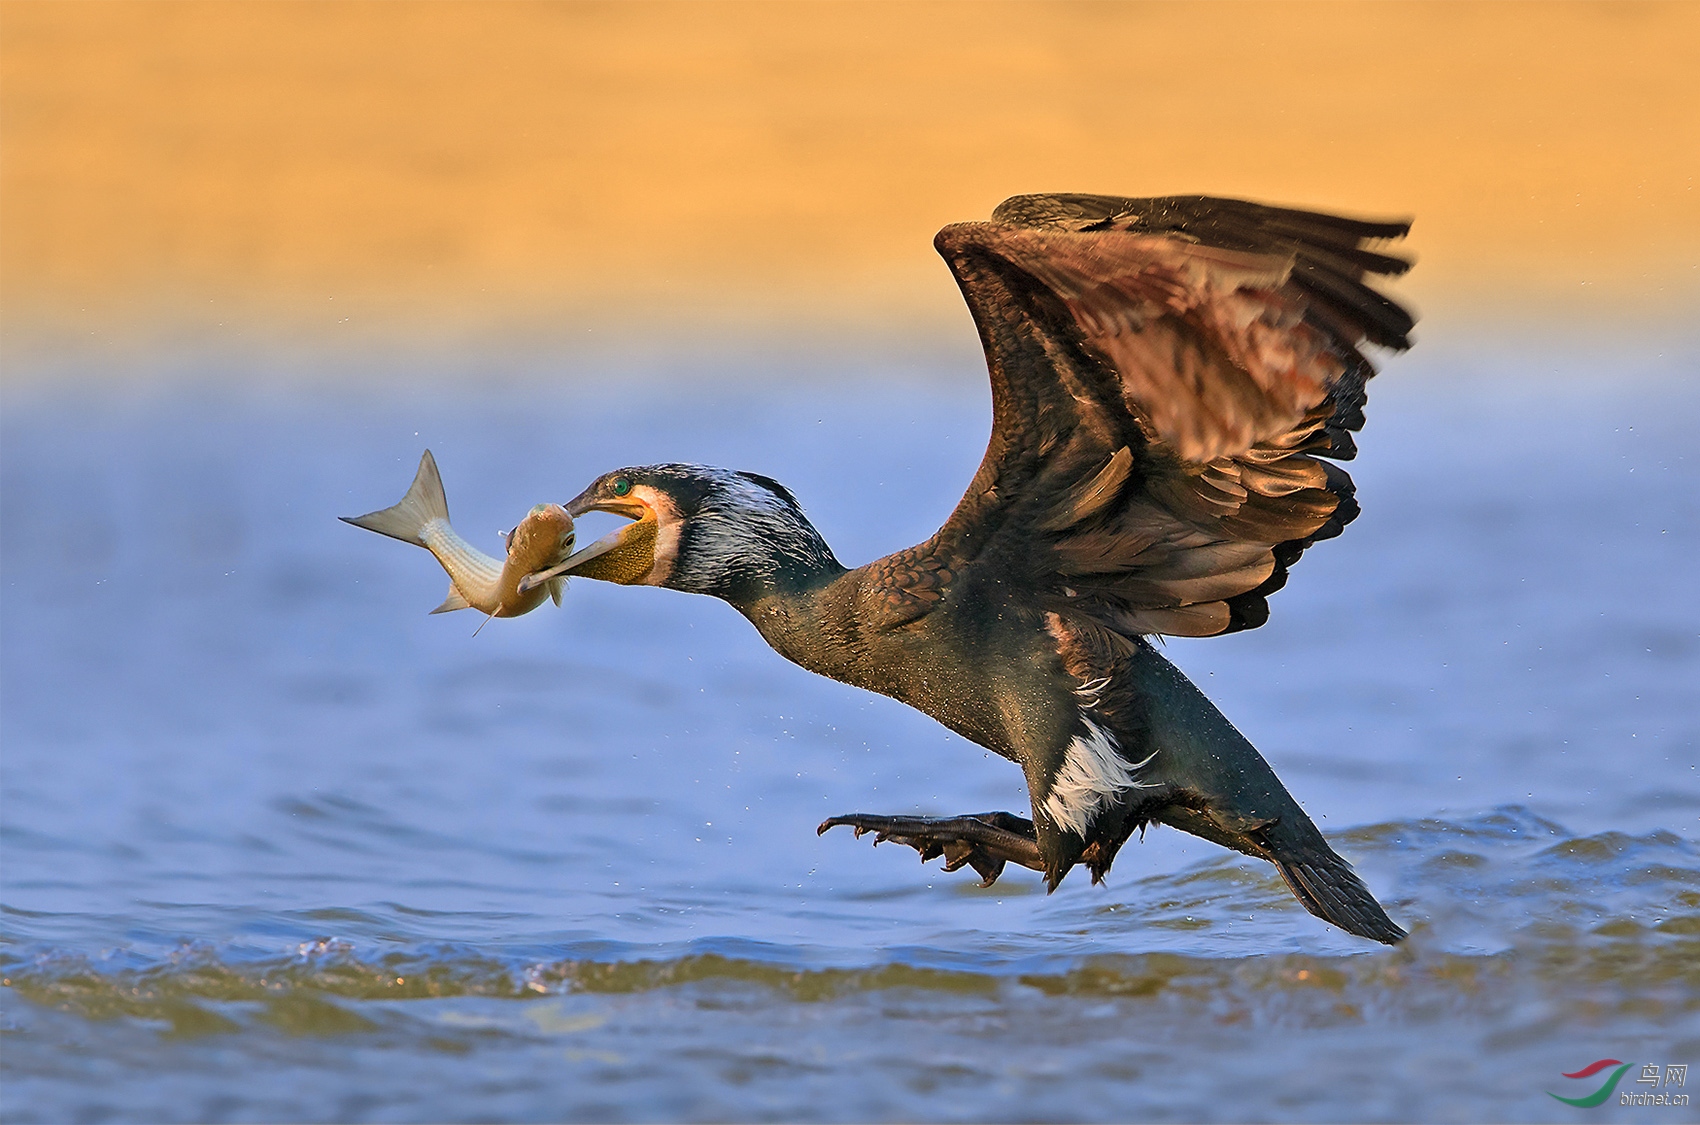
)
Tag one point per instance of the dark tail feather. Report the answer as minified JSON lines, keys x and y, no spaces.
{"x":1331,"y":890}
{"x":1222,"y":790}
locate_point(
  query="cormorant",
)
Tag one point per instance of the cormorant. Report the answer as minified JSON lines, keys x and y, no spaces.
{"x":1172,"y":380}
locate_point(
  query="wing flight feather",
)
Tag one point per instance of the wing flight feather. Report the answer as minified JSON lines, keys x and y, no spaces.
{"x":1166,"y":376}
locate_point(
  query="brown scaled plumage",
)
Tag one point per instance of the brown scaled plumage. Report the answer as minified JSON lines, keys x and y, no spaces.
{"x":1172,"y":380}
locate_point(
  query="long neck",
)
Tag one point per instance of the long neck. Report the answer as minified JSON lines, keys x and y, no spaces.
{"x":810,"y":622}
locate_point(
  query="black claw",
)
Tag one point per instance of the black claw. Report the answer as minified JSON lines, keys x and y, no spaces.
{"x":985,"y":841}
{"x":987,"y":868}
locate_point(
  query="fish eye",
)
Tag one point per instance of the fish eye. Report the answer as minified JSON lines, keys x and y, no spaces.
{"x":621,"y":486}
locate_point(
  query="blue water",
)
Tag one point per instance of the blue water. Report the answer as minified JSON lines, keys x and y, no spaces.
{"x":279,"y":846}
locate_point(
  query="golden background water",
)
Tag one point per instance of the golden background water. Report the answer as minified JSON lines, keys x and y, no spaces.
{"x":541,"y":167}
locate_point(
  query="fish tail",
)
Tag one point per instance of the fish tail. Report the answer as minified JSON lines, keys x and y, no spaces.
{"x":406,"y":520}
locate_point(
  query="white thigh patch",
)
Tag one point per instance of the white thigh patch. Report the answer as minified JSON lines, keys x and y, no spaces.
{"x":1092,"y":773}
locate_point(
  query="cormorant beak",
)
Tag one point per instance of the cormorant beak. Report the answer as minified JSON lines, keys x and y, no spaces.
{"x":584,"y":502}
{"x":626,"y":506}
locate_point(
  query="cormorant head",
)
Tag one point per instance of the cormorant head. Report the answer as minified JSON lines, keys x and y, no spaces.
{"x":701,"y":529}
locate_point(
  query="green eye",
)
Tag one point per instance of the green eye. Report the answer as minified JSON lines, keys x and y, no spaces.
{"x":621,"y":486}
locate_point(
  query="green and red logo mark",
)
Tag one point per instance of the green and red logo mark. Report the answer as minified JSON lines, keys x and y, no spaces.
{"x":1604,"y":1092}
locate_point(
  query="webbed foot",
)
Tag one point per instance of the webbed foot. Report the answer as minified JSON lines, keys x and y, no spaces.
{"x":983,"y":841}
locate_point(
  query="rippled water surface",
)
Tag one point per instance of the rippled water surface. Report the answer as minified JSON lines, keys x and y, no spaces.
{"x":279,"y":846}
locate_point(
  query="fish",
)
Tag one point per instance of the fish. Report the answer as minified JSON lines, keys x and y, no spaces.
{"x":496,"y":587}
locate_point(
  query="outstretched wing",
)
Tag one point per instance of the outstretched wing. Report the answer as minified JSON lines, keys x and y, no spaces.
{"x":1168,"y":376}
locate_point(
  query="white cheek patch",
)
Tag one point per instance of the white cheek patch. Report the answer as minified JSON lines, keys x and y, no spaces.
{"x":667,"y":524}
{"x":1092,"y":776}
